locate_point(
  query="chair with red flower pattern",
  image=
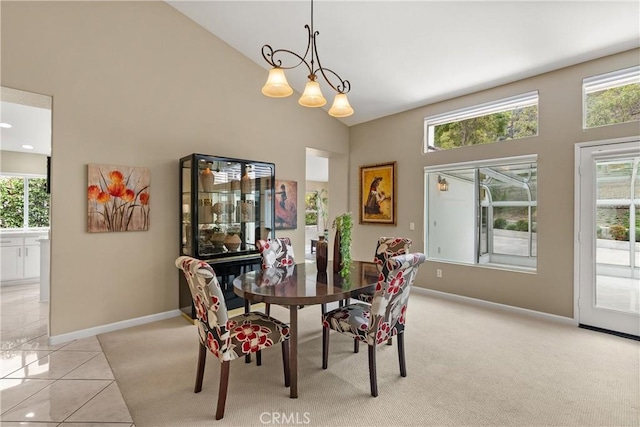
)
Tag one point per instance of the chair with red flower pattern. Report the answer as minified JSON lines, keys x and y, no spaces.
{"x":228,"y":338}
{"x":386,"y":248}
{"x":376,"y":323}
{"x":277,"y":258}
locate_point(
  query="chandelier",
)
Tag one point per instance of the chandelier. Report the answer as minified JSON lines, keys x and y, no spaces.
{"x":278,"y":87}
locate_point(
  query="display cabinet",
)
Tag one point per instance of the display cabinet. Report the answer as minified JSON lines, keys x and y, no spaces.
{"x":226,"y":206}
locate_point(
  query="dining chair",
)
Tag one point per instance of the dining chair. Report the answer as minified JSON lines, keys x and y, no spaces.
{"x":228,"y":338}
{"x":386,"y":248}
{"x":385,"y":317}
{"x":276,"y":254}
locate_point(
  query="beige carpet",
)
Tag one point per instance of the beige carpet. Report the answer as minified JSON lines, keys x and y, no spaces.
{"x":466,"y":365}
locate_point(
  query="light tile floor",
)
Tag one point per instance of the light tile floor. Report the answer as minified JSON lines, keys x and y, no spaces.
{"x":41,"y":385}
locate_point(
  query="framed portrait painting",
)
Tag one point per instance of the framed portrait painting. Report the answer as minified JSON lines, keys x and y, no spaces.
{"x":378,"y":194}
{"x":286,"y":205}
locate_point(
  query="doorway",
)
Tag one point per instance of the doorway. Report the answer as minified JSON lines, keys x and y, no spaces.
{"x":607,"y":207}
{"x":25,"y":130}
{"x":316,"y":199}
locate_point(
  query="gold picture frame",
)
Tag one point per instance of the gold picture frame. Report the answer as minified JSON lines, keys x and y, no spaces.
{"x":378,"y":194}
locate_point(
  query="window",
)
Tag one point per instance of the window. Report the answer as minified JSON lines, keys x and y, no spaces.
{"x":510,"y":118}
{"x":311,"y":208}
{"x":611,"y":98}
{"x":483,"y":213}
{"x":24,"y":202}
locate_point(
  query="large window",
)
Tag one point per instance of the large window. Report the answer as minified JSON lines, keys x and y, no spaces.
{"x":506,"y":119}
{"x":483,"y":213}
{"x":24,"y":202}
{"x":611,"y":98}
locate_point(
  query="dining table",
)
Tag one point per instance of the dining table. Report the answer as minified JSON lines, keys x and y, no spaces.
{"x":301,"y":285}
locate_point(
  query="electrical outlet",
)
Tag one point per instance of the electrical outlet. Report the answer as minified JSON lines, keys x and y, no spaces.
{"x":412,"y":226}
{"x":439,"y":273}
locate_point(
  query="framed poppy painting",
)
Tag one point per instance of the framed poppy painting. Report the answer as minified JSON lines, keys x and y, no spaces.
{"x":118,"y":198}
{"x":378,"y":194}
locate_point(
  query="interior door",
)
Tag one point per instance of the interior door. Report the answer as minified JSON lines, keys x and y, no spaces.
{"x":608,"y":224}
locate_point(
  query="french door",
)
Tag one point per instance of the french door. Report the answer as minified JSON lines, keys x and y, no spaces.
{"x":607,"y":219}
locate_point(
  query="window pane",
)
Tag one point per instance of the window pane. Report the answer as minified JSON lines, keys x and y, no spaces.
{"x":613,"y":179}
{"x":451,"y":224}
{"x":38,"y":203}
{"x":616,"y":105}
{"x":498,"y":211}
{"x":11,"y":202}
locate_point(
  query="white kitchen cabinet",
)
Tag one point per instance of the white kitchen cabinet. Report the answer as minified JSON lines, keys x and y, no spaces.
{"x":31,"y":257}
{"x":11,"y":252}
{"x":20,"y":258}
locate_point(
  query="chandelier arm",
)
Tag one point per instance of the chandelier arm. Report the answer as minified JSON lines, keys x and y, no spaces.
{"x":268,"y":53}
{"x":344,"y":86}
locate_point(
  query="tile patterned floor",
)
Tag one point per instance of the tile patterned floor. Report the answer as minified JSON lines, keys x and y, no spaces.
{"x":67,"y":385}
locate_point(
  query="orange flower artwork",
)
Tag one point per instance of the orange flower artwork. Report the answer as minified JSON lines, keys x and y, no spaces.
{"x":118,"y":198}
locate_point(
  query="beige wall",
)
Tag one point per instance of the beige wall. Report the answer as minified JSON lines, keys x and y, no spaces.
{"x":399,"y":137}
{"x":15,"y":162}
{"x":138,"y":83}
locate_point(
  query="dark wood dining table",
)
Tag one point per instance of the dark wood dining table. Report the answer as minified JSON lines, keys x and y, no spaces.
{"x":302,"y":285}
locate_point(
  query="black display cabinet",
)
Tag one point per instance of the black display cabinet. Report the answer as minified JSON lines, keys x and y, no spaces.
{"x":226,"y":206}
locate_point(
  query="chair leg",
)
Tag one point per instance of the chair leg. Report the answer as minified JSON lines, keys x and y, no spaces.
{"x":372,"y":371}
{"x":285,"y":363}
{"x":390,"y":341}
{"x":323,"y":309}
{"x":259,"y":358}
{"x":222,"y":391}
{"x":267,"y":309}
{"x":202,"y":357}
{"x":356,"y":345}
{"x":403,"y":364}
{"x":325,"y":347}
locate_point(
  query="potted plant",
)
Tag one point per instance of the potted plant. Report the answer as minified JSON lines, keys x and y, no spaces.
{"x":342,"y":244}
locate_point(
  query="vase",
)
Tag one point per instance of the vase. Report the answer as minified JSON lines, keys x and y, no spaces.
{"x":218,"y":239}
{"x":321,"y":254}
{"x":206,"y":180}
{"x":337,"y":255}
{"x":232,"y":242}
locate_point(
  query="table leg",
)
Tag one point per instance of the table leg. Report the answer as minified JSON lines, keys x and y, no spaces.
{"x":293,"y":350}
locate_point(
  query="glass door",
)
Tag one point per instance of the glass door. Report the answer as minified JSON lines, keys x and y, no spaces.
{"x":609,"y":237}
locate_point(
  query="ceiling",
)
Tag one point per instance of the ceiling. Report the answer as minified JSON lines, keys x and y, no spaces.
{"x":29,"y":125}
{"x":399,"y":55}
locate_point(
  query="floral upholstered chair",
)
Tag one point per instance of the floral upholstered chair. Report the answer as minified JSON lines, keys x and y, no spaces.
{"x":228,"y":338}
{"x":276,"y":253}
{"x":386,"y":316}
{"x":277,"y":260}
{"x":386,"y":248}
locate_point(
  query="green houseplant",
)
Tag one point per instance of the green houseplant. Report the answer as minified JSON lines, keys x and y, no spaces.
{"x":343,"y":225}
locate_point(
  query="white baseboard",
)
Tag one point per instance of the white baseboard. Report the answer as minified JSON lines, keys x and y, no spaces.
{"x":90,"y":332}
{"x":20,"y":282}
{"x":483,"y":303}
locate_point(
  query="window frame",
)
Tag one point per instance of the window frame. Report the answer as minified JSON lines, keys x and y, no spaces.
{"x":480,"y":259}
{"x":602,"y":82}
{"x":523,"y":100}
{"x":25,"y":211}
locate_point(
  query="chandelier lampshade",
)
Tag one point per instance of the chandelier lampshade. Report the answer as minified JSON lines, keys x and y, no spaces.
{"x":341,"y":106}
{"x":312,"y":96}
{"x":277,"y":85}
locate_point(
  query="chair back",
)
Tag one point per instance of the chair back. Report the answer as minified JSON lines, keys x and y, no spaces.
{"x":208,"y":300}
{"x":389,"y":247}
{"x":389,"y":306}
{"x":276,"y":252}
